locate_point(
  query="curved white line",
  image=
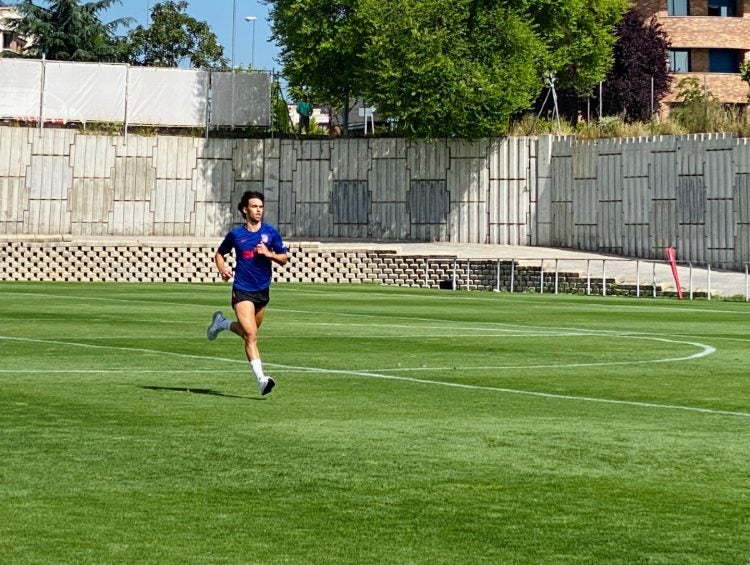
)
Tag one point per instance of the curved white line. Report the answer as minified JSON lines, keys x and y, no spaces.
{"x":521,"y":392}
{"x":705,"y":350}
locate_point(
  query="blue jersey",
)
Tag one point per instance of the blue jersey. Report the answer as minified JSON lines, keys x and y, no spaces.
{"x":252,"y":272}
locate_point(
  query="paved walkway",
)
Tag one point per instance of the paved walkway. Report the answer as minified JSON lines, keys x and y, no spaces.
{"x":625,"y":271}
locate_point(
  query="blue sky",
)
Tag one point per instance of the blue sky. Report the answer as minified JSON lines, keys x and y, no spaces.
{"x":218,"y":15}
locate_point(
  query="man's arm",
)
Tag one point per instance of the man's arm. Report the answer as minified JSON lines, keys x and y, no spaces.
{"x":224,"y":271}
{"x":278,"y":258}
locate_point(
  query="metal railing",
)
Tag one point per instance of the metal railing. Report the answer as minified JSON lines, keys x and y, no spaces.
{"x":605,"y":276}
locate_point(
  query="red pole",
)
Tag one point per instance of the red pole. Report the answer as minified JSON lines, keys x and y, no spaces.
{"x":672,"y":260}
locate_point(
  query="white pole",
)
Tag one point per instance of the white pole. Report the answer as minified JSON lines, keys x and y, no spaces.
{"x":252,"y":51}
{"x":234,"y":29}
{"x":652,"y":98}
{"x":637,"y":279}
{"x":252,"y":47}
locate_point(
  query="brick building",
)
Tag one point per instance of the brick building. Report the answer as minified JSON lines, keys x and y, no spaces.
{"x":709,"y":40}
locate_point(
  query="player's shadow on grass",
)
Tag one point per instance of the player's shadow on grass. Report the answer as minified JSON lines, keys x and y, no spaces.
{"x":207,"y":391}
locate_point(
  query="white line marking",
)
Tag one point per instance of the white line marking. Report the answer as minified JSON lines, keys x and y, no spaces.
{"x":706,"y":350}
{"x":521,"y":392}
{"x":565,"y":300}
{"x":121,"y":371}
{"x":138,"y":349}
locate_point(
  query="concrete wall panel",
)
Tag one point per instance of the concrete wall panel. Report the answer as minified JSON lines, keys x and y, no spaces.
{"x":93,"y":156}
{"x":427,"y":160}
{"x":635,"y":200}
{"x":174,"y":158}
{"x":719,"y":176}
{"x":15,"y":151}
{"x":350,"y":159}
{"x":13,"y":201}
{"x":248,"y":159}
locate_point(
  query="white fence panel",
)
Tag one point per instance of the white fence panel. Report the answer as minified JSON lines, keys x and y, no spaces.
{"x":84,"y":92}
{"x":20,"y":88}
{"x":174,"y":97}
{"x":240,"y":99}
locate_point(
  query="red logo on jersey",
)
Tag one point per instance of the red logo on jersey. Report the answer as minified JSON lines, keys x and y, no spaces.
{"x":248,"y":253}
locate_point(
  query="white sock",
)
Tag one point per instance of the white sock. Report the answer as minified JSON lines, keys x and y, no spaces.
{"x":257,"y":368}
{"x":225,"y":324}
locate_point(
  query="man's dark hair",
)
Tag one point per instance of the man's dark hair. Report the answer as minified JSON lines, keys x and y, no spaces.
{"x":246,"y":197}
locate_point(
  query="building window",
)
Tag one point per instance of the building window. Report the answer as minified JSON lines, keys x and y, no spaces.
{"x":723,"y":61}
{"x":722,"y":8}
{"x":679,"y":60}
{"x":678,"y":7}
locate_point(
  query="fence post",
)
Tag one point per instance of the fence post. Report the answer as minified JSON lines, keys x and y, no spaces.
{"x":127,"y":97}
{"x":541,"y":276}
{"x":557,"y":276}
{"x":637,"y":278}
{"x":43,"y":79}
{"x":209,"y":81}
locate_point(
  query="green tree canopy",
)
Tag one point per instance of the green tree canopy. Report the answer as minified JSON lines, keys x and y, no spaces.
{"x":68,"y":30}
{"x":173,"y":39}
{"x":578,"y":35}
{"x":321,"y":44}
{"x":444,"y":67}
{"x":745,"y":75}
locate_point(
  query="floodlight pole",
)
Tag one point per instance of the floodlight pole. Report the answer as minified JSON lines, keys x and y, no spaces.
{"x":252,"y":47}
{"x":234,"y":29}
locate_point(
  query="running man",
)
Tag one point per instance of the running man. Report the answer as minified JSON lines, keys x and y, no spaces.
{"x":256,"y":246}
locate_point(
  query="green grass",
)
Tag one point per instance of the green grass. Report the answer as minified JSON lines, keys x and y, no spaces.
{"x":408,"y":426}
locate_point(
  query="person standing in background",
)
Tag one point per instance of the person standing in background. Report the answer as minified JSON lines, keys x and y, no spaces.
{"x":305,"y":110}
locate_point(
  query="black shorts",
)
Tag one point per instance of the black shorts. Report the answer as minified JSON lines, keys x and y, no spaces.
{"x":260,"y":298}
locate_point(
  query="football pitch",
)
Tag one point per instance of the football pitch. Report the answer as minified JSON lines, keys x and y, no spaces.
{"x":408,"y":426}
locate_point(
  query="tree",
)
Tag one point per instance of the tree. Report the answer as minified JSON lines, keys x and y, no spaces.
{"x":173,"y":39}
{"x":745,"y":74}
{"x":578,"y":35}
{"x":640,"y":55}
{"x":449,"y":68}
{"x":67,"y":30}
{"x":444,"y":67}
{"x":321,"y":45}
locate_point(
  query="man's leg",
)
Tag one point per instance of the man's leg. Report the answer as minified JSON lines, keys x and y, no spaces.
{"x":246,"y":326}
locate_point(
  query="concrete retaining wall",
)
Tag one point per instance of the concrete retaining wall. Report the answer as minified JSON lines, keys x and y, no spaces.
{"x":626,"y":197}
{"x":47,"y":259}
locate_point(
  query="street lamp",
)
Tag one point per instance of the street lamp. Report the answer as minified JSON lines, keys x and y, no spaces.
{"x":252,"y":52}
